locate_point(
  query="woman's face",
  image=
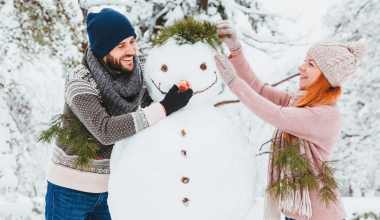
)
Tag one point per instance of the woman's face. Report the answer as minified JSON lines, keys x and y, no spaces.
{"x":310,"y":72}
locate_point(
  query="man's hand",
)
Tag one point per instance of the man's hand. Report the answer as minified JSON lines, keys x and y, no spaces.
{"x":226,"y":69}
{"x":175,"y":100}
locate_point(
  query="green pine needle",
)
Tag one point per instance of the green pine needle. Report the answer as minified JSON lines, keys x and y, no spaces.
{"x":189,"y":31}
{"x":304,"y":174}
{"x":68,"y":130}
{"x":367,"y":215}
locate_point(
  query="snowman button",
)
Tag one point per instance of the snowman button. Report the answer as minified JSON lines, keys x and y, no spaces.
{"x":183,"y":133}
{"x":186,"y":201}
{"x":183,"y":152}
{"x":185,"y":180}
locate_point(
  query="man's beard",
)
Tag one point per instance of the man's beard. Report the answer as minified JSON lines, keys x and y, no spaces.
{"x":116,"y":66}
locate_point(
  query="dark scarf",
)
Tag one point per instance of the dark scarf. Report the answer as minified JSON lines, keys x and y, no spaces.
{"x":121,"y":92}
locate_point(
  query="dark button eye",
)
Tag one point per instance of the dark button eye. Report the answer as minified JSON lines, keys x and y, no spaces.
{"x":164,"y":68}
{"x":203,"y":66}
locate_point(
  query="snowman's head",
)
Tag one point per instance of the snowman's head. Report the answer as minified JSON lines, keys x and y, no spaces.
{"x":172,"y":62}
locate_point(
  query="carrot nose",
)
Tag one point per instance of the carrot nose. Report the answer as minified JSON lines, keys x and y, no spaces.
{"x":183,"y":86}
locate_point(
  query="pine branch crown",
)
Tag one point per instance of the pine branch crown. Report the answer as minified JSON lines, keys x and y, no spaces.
{"x":189,"y":31}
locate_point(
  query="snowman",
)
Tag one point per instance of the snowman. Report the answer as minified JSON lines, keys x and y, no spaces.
{"x":194,"y":164}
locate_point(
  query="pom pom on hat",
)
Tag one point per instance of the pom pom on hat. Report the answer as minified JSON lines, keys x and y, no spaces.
{"x":338,"y":61}
{"x":358,"y":49}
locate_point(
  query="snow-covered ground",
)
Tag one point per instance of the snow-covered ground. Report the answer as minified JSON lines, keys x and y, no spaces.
{"x":26,"y":209}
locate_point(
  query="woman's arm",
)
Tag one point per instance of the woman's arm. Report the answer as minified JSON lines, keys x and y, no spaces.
{"x":245,"y":72}
{"x":228,"y":35}
{"x":319,"y":124}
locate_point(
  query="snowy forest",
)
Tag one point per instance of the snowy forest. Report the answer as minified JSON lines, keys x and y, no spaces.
{"x":41,"y":41}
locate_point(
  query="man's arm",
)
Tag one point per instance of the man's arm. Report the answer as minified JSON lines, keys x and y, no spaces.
{"x":108,"y":130}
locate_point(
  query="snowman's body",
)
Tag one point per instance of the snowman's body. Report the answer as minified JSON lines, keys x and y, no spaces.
{"x":193,"y":164}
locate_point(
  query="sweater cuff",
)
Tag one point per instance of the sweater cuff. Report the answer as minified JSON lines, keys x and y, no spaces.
{"x":235,"y":86}
{"x":154,"y":113}
{"x":237,"y":60}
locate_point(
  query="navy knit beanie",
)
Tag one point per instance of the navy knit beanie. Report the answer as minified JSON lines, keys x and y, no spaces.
{"x":107,"y":29}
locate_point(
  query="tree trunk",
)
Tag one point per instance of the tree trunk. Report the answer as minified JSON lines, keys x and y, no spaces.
{"x":84,"y":32}
{"x":202,"y":6}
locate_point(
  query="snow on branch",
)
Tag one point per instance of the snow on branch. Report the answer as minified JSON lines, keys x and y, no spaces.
{"x":87,"y":4}
{"x":254,"y":11}
{"x":274,"y":40}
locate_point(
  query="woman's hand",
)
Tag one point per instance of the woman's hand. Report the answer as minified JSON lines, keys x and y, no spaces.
{"x":226,"y":69}
{"x":230,"y":39}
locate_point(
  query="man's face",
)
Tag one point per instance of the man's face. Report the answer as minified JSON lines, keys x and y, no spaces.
{"x":120,"y":59}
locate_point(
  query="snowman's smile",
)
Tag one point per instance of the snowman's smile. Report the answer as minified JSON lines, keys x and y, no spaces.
{"x":197,"y":92}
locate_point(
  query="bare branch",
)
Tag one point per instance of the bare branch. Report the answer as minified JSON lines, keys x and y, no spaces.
{"x":225,"y":102}
{"x":254,"y":11}
{"x":284,"y":80}
{"x":258,"y":48}
{"x":288,"y":43}
{"x":168,"y":6}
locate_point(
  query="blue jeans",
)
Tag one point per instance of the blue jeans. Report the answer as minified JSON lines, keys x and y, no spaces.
{"x":63,"y":203}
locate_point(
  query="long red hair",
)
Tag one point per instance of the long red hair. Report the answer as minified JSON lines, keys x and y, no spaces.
{"x":321,"y":93}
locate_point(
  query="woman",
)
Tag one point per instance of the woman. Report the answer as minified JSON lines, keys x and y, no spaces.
{"x":309,"y":117}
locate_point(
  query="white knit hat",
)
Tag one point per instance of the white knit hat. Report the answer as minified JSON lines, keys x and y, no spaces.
{"x":338,"y":61}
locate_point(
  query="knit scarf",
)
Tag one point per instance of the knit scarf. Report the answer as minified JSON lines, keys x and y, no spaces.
{"x":297,"y":201}
{"x":121,"y":92}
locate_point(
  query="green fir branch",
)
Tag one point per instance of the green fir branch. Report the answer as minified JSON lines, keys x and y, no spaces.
{"x":304,"y":174}
{"x":367,"y":215}
{"x":68,"y":130}
{"x":189,"y":31}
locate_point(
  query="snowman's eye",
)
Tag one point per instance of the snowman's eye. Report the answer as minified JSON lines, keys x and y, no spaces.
{"x":203,"y":66}
{"x":164,"y":68}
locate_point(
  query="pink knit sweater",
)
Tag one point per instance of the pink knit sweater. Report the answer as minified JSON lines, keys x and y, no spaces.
{"x":320,"y":125}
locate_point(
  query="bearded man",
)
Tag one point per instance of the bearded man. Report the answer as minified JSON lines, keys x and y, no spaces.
{"x":107,"y":93}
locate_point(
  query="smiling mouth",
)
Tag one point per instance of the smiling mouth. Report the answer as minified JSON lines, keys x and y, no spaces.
{"x":164,"y":93}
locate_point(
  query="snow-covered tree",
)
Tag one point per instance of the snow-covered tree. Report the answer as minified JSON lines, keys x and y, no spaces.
{"x":358,"y":150}
{"x":252,"y":21}
{"x":30,"y":29}
{"x":41,"y":40}
{"x":38,"y":40}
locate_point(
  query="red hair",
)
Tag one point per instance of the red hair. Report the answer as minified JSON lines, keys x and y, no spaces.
{"x":321,"y":93}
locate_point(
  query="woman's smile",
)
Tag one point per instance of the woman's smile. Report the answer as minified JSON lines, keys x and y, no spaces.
{"x":310,"y":72}
{"x":303,"y":77}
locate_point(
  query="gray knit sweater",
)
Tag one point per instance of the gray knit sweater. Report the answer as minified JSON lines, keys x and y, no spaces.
{"x":83,"y":98}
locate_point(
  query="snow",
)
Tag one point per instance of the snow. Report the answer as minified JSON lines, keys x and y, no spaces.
{"x":22,"y":209}
{"x":38,"y":85}
{"x":147,"y":168}
{"x":183,"y":63}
